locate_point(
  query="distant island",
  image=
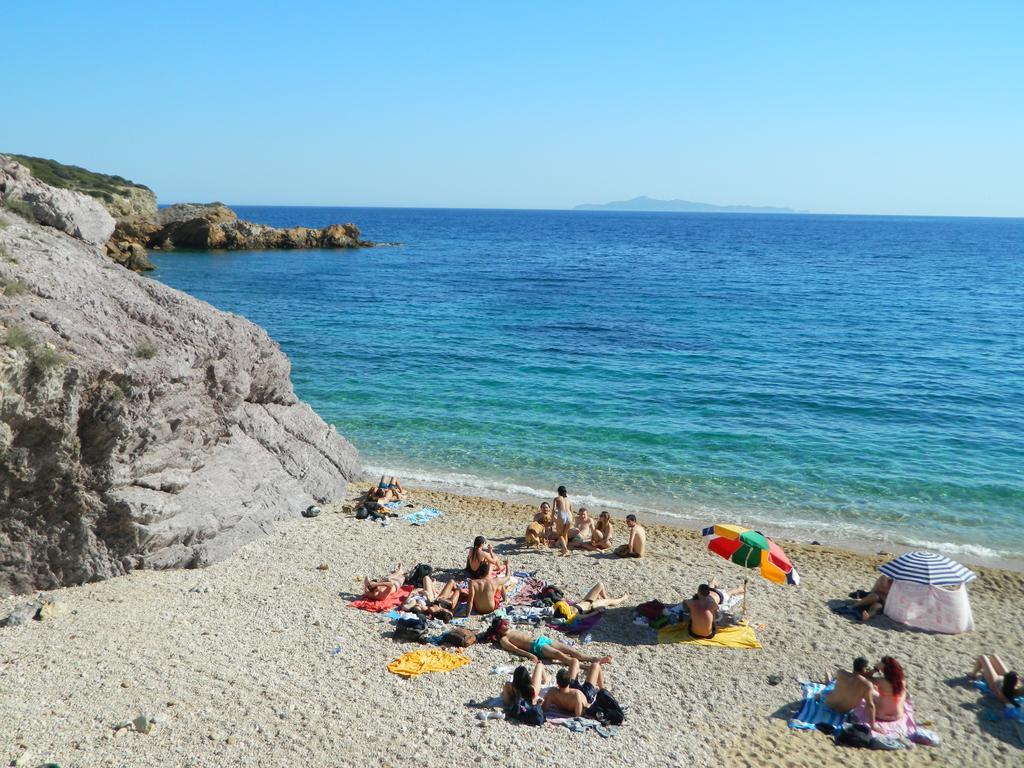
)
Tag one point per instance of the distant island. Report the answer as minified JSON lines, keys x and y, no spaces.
{"x":644,"y":203}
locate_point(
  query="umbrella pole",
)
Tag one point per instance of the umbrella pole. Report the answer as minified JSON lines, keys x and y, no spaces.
{"x":745,"y":599}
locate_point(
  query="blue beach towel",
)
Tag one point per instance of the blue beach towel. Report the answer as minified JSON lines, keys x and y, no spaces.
{"x":422,"y":516}
{"x":813,"y":710}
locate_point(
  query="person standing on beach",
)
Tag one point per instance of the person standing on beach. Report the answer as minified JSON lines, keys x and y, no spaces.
{"x":851,"y":688}
{"x":637,"y":544}
{"x":563,"y":518}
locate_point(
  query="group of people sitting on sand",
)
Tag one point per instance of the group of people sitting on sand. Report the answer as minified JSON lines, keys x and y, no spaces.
{"x":882,"y":690}
{"x":555,"y":525}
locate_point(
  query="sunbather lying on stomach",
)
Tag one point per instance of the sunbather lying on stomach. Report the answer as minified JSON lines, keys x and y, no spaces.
{"x":522,"y":644}
{"x":378,"y":589}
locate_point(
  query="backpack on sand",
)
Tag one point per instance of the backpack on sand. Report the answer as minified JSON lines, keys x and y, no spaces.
{"x":459,"y":637}
{"x":411,"y":630}
{"x":527,"y":714}
{"x":606,"y":709}
{"x":415,"y":578}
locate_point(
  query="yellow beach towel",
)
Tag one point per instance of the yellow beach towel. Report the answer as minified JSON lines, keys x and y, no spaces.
{"x":417,"y":663}
{"x":738,"y":636}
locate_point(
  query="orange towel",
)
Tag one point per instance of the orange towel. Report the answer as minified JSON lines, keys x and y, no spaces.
{"x":417,"y":663}
{"x":393,"y":600}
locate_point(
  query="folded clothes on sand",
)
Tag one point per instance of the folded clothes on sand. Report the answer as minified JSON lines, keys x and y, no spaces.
{"x":422,"y":516}
{"x":417,"y":663}
{"x":814,"y":710}
{"x":739,"y":636}
{"x":393,"y":600}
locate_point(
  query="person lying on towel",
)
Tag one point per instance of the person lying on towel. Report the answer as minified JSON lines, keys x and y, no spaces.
{"x":523,"y":645}
{"x":1004,"y":684}
{"x":433,"y":602}
{"x":380,"y":588}
{"x":571,"y":696}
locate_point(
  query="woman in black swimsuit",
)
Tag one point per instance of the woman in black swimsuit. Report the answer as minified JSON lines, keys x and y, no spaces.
{"x":478,"y":556}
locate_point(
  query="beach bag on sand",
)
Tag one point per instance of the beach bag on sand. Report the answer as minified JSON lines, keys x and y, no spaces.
{"x":415,"y":578}
{"x":606,"y":709}
{"x":527,"y":714}
{"x":411,"y":630}
{"x":652,"y":609}
{"x":459,"y":637}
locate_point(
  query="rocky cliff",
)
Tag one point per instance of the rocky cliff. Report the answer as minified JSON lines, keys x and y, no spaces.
{"x":140,"y":225}
{"x":139,"y":427}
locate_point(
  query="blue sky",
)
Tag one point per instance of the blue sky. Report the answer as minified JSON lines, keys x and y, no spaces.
{"x":834,"y":107}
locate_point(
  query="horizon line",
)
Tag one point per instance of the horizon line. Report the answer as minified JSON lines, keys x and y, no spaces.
{"x":767,"y":214}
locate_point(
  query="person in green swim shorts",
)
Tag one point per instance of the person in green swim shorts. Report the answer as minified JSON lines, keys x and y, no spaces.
{"x":536,"y":649}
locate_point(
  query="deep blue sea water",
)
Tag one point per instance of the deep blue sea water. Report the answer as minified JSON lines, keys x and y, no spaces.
{"x":832,"y":377}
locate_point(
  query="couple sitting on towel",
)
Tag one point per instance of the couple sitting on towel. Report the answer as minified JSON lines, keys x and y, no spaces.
{"x":705,"y":607}
{"x":884,"y":697}
{"x":568,"y":696}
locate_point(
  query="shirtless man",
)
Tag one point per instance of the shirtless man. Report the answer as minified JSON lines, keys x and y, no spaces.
{"x":851,"y":688}
{"x":570,"y":695}
{"x":582,"y":531}
{"x":485,"y":593}
{"x":637,"y":544}
{"x":378,"y":589}
{"x":563,"y":518}
{"x":703,"y":608}
{"x":535,"y":649}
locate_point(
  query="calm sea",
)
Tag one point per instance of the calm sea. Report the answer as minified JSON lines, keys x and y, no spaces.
{"x":847,"y":379}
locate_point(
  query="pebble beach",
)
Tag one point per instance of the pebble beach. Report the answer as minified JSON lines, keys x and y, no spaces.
{"x":259,"y":660}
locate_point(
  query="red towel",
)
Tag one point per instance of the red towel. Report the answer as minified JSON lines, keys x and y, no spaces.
{"x":393,"y":600}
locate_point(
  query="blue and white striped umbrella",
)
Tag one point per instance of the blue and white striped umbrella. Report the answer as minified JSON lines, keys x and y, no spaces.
{"x":927,"y":568}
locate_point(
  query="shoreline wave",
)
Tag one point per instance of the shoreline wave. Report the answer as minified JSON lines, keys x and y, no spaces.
{"x":851,"y":536}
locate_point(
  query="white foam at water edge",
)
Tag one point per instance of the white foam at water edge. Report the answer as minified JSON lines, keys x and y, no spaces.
{"x":972,"y":550}
{"x":845,"y":533}
{"x":472,"y":482}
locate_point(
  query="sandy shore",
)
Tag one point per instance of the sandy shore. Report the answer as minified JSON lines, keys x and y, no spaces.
{"x":235,"y":662}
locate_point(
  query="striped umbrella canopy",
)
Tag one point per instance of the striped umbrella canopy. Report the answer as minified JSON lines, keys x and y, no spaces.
{"x":927,"y":568}
{"x":751,"y":549}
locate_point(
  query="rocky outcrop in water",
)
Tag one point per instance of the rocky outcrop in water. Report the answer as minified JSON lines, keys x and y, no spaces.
{"x":139,"y":427}
{"x":140,"y":225}
{"x":215,"y":226}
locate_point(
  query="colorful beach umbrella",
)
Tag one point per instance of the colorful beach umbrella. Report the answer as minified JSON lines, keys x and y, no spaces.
{"x":751,"y":549}
{"x":927,"y":568}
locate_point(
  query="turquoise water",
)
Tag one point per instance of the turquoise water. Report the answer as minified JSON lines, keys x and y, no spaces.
{"x":839,"y":378}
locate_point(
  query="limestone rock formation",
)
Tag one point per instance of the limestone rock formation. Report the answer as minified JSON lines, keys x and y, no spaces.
{"x":215,"y":226}
{"x":139,"y":427}
{"x":140,"y":225}
{"x":73,"y":212}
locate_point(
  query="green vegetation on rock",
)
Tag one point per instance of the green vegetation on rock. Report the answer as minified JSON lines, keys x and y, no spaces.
{"x":99,"y":185}
{"x":19,"y":207}
{"x":12,"y":287}
{"x":146,"y":350}
{"x":18,"y":338}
